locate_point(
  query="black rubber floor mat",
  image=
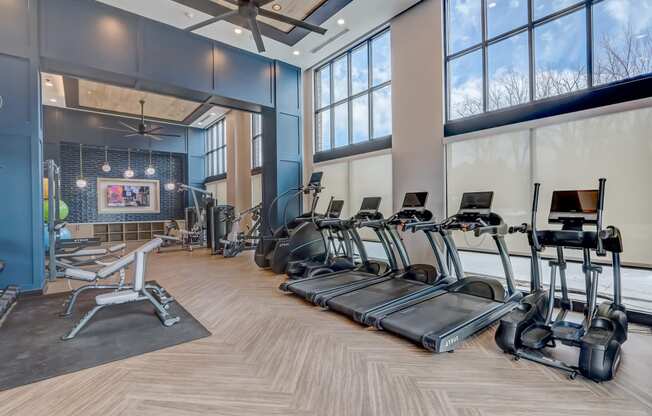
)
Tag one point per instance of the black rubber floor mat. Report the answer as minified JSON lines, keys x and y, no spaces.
{"x":31,"y":348}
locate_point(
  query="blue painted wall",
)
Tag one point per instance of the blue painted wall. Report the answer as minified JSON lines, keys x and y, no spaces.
{"x":83,"y":202}
{"x":91,"y":40}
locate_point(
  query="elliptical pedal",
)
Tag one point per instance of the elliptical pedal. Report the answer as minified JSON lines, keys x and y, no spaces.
{"x":568,"y":332}
{"x":537,"y":336}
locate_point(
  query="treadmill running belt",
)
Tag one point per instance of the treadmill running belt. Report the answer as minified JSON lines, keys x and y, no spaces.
{"x":355,"y":304}
{"x":310,"y":287}
{"x":437,"y":315}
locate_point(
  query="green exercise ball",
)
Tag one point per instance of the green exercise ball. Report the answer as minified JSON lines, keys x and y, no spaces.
{"x":63,"y":211}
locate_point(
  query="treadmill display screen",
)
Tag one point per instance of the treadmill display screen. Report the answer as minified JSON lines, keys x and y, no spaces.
{"x":335,"y":208}
{"x":415,"y":200}
{"x":574,"y":204}
{"x":315,"y":179}
{"x":476,"y":201}
{"x":370,"y":204}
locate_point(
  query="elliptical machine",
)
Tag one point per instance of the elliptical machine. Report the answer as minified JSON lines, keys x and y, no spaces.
{"x":531,"y":328}
{"x":274,"y":250}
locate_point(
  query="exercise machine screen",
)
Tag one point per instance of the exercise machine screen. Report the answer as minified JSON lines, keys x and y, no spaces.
{"x":581,"y":205}
{"x":415,"y":200}
{"x":476,"y":201}
{"x":315,"y":179}
{"x":370,"y":204}
{"x":335,"y":208}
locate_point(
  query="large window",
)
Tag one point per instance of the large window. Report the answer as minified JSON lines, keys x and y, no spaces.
{"x":353,"y":96}
{"x":503,"y":53}
{"x":216,"y":150}
{"x":256,"y":141}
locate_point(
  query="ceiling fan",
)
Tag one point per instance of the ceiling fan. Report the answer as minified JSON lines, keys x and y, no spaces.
{"x":142,"y":129}
{"x":249,"y":10}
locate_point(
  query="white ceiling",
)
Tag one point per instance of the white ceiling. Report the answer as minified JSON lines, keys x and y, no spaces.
{"x":360,"y":17}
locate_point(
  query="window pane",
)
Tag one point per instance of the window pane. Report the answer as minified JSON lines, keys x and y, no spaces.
{"x":214,"y":137}
{"x":505,"y":15}
{"x":323,"y":83}
{"x":340,"y":79}
{"x":359,"y":69}
{"x":381,"y":59}
{"x":464,"y":24}
{"x":341,"y":122}
{"x":508,"y":72}
{"x":465,"y":86}
{"x":382,"y":118}
{"x":215,"y":166}
{"x":622,"y":39}
{"x":323,"y":131}
{"x":543,"y":8}
{"x":560,"y":55}
{"x":360,"y":115}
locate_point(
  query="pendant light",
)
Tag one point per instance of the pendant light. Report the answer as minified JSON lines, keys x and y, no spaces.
{"x":81,"y":183}
{"x":150,"y":171}
{"x":106,"y":168}
{"x":129,"y":173}
{"x":170,"y":186}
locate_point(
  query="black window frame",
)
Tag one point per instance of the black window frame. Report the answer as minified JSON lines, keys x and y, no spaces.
{"x":371,"y":143}
{"x":212,"y":172}
{"x":592,"y":96}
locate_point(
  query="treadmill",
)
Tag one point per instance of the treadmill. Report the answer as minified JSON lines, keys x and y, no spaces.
{"x":413,"y":210}
{"x":441,"y":320}
{"x":400,"y":288}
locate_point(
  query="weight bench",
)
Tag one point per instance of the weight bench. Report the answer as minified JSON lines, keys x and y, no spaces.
{"x":137,"y":292}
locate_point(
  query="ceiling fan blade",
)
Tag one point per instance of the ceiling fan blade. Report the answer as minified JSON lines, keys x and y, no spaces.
{"x":132,"y":128}
{"x":112,"y":129}
{"x":162,"y":135}
{"x":291,"y":21}
{"x":255,"y":31}
{"x":211,"y":21}
{"x":261,"y":3}
{"x":153,"y":129}
{"x":132,"y":135}
{"x":153,"y":137}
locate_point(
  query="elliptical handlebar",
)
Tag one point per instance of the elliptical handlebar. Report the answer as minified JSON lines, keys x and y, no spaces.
{"x":600,"y":251}
{"x":523,"y":228}
{"x":535,"y":206}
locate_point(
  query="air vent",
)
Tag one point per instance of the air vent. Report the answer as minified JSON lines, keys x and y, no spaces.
{"x":329,"y":41}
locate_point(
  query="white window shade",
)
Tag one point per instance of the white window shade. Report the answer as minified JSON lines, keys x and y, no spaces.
{"x":617,"y":147}
{"x":500,"y":164}
{"x":218,"y":188}
{"x":256,"y":189}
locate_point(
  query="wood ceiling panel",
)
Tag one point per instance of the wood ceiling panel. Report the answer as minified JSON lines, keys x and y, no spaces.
{"x":111,"y":98}
{"x":298,"y":9}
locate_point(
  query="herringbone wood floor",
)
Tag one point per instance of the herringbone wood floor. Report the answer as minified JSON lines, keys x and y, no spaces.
{"x":274,"y":354}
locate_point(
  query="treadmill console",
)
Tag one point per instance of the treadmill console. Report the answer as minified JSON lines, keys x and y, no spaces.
{"x":578,"y":207}
{"x":474,"y":212}
{"x":335,"y":208}
{"x":414,"y":207}
{"x":369,"y":208}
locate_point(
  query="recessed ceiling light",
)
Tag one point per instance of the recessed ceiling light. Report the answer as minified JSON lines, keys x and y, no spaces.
{"x":641,"y":36}
{"x":53,"y":100}
{"x":49,"y":83}
{"x":491,"y":5}
{"x":237,"y":31}
{"x":189,"y":15}
{"x":200,"y":123}
{"x":341,"y":22}
{"x":213,"y":114}
{"x":277,"y":7}
{"x":296,"y":53}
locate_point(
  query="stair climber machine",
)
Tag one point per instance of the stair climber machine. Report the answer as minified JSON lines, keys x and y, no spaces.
{"x":442,"y":319}
{"x":319,"y":289}
{"x":530,"y":329}
{"x":298,"y":238}
{"x":345,"y":248}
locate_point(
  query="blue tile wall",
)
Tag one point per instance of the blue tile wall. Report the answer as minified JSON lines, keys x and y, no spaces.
{"x":83,"y":202}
